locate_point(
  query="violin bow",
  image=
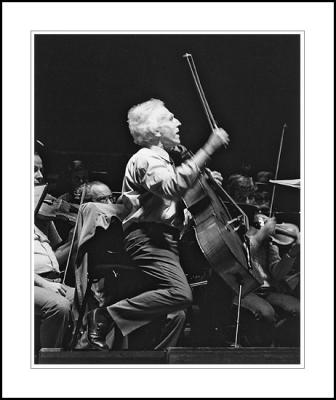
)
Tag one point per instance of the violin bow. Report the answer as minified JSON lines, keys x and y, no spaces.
{"x":277,"y":168}
{"x":74,"y":233}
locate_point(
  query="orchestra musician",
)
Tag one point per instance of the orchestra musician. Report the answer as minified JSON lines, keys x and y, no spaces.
{"x":271,"y":315}
{"x":99,"y":192}
{"x":151,"y":191}
{"x":276,"y":315}
{"x":52,"y":299}
{"x":76,"y":175}
{"x":67,"y":193}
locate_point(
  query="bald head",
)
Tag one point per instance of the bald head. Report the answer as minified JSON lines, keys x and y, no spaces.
{"x":99,"y":192}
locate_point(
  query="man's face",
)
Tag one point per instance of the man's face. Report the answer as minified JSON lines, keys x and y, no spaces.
{"x":38,"y":170}
{"x":78,"y":178}
{"x":102,"y":194}
{"x":167,"y":127}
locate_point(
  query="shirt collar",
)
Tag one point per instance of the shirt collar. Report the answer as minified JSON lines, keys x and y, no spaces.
{"x":162,"y":153}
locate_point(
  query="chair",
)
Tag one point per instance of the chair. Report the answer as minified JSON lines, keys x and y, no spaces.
{"x":106,"y":256}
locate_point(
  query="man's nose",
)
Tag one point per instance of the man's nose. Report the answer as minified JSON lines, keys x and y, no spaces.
{"x":38,"y":174}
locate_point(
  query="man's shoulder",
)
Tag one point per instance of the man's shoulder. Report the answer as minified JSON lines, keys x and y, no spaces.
{"x":143,"y":152}
{"x":144,"y":156}
{"x":137,"y":157}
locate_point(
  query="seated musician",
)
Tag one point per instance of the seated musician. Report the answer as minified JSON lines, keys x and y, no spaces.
{"x":241,"y":188}
{"x":263,"y":190}
{"x":76,"y":174}
{"x":67,"y":191}
{"x":152,"y":189}
{"x":99,"y":192}
{"x":52,"y":299}
{"x":275,"y":313}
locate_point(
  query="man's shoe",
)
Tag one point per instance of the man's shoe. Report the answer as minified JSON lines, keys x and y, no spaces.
{"x":99,"y":324}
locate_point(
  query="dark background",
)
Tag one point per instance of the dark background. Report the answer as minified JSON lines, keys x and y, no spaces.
{"x":85,"y":84}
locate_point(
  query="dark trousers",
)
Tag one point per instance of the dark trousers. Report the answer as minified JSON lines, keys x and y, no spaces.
{"x":270,"y":318}
{"x":165,"y":290}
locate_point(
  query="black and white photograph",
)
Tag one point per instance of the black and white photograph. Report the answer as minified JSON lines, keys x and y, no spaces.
{"x":146,"y":188}
{"x":168,"y":207}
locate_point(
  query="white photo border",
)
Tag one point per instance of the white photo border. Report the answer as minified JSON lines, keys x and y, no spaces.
{"x":19,"y":20}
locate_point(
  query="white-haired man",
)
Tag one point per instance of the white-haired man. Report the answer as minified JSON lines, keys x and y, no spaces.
{"x":152,"y":190}
{"x":99,"y":192}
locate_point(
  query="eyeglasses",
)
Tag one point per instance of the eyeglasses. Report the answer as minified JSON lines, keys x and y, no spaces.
{"x":105,"y":199}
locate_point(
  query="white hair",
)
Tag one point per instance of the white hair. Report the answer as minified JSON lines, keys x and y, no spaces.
{"x":91,"y":189}
{"x":140,"y":123}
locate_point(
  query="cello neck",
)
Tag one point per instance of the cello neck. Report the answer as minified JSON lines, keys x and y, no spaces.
{"x":224,"y":192}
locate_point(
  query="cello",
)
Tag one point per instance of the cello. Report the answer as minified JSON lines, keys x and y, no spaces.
{"x":225,"y":246}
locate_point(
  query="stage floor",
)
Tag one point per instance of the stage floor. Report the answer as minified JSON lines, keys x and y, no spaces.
{"x":175,"y":355}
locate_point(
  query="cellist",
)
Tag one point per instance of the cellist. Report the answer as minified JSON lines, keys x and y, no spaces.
{"x":151,"y":191}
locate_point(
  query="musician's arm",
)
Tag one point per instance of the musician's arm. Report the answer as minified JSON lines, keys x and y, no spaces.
{"x":62,"y":253}
{"x":53,"y":286}
{"x":157,"y":178}
{"x":154,"y":175}
{"x":280,"y":267}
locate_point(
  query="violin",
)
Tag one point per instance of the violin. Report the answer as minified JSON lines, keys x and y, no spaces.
{"x":285,"y":234}
{"x":53,"y":208}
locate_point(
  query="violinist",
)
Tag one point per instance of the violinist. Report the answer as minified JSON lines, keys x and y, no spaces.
{"x":68,"y":193}
{"x":44,"y":219}
{"x":275,"y":314}
{"x":241,"y":188}
{"x":263,"y":190}
{"x":75,"y":176}
{"x":38,"y":169}
{"x":151,"y":192}
{"x":51,"y":207}
{"x":52,"y":299}
{"x":99,"y":192}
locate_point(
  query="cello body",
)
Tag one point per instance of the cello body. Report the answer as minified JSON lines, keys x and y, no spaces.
{"x":219,"y":242}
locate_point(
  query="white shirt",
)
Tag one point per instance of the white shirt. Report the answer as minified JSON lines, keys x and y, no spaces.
{"x":44,"y":256}
{"x":153,"y":187}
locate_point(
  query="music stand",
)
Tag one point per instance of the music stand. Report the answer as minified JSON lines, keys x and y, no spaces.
{"x":295,"y":183}
{"x":40,"y":192}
